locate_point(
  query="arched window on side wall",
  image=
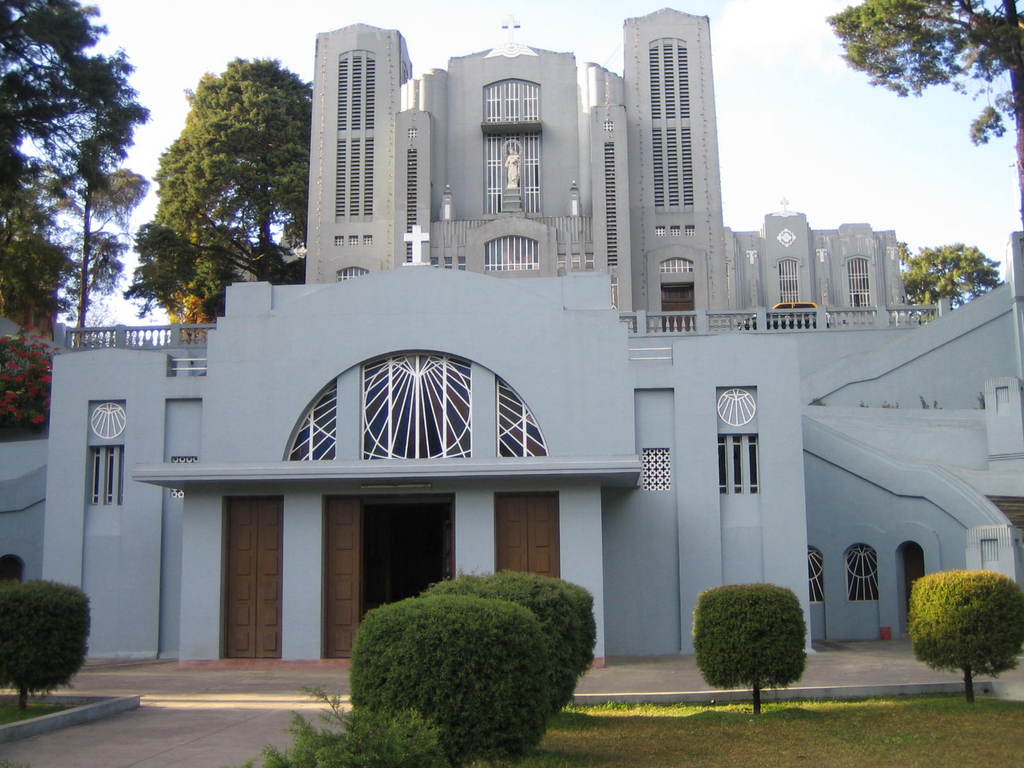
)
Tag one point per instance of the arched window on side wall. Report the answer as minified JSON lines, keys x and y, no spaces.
{"x":670,"y":266}
{"x":347,"y":273}
{"x":11,"y":568}
{"x":861,"y":573}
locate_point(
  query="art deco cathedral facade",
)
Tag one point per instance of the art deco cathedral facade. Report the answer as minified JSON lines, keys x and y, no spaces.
{"x":615,"y":174}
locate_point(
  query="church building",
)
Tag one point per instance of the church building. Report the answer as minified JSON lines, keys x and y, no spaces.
{"x":526,"y":341}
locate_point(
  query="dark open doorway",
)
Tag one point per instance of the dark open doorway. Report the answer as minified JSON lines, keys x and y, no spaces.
{"x":406,"y":548}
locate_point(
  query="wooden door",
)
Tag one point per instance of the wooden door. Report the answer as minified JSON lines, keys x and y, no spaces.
{"x":526,"y":533}
{"x":252,"y":608}
{"x":343,"y":560}
{"x":677,"y":297}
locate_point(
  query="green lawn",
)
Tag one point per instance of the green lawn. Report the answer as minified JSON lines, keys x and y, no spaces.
{"x":9,"y":713}
{"x":916,"y":732}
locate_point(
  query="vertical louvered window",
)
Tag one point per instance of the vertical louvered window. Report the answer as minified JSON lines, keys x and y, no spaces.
{"x":610,"y":216}
{"x":107,"y":475}
{"x":671,"y":138}
{"x":789,"y":282}
{"x":354,"y":166}
{"x":411,"y":200}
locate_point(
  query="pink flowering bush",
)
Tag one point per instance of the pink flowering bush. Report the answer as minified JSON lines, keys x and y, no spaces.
{"x":25,"y":375}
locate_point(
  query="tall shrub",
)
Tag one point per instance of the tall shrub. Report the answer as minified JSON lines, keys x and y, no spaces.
{"x":25,"y":376}
{"x":467,"y":664}
{"x":565,"y":612}
{"x":750,"y":635}
{"x":972,"y":621}
{"x":43,"y":631}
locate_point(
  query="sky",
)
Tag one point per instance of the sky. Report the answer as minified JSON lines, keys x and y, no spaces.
{"x":794,"y":121}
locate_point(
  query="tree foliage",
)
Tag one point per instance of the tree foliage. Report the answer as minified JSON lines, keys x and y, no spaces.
{"x":909,"y":45}
{"x":750,"y":635}
{"x":956,"y":272}
{"x":43,"y":631}
{"x":34,"y":261}
{"x":972,"y":621}
{"x":76,"y":109}
{"x":233,"y":191}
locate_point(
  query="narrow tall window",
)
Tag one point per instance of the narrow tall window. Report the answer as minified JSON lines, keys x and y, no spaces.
{"x":518,"y":431}
{"x":107,"y":474}
{"x":861,"y":573}
{"x":495,"y":153}
{"x":789,"y":284}
{"x":815,"y":575}
{"x":411,"y":195}
{"x":610,"y":214}
{"x":860,"y":284}
{"x":738,"y":464}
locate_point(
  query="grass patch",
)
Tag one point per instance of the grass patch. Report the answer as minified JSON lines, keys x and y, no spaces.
{"x":9,"y":713}
{"x":932,"y":732}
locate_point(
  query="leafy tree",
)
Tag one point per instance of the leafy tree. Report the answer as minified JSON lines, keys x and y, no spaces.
{"x":34,"y":263}
{"x":103,"y":206}
{"x":908,"y":45}
{"x":53,"y":93}
{"x":233,"y":191}
{"x":956,"y":272}
{"x":749,"y":634}
{"x":971,"y":621}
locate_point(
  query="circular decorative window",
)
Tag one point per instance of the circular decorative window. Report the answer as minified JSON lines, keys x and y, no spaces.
{"x":108,"y":420}
{"x":736,"y":407}
{"x":786,"y":237}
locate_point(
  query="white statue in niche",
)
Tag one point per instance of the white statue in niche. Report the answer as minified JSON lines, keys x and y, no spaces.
{"x":512,"y":162}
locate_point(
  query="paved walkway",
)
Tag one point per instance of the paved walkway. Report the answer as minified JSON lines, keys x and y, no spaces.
{"x":203,"y":717}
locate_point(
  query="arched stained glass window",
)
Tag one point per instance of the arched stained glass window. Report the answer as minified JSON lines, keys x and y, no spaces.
{"x":317,"y":434}
{"x":861,"y":573}
{"x":815,"y":575}
{"x":416,"y":406}
{"x":518,"y":431}
{"x":675,"y":265}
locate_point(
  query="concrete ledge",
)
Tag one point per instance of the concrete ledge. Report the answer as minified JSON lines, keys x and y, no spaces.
{"x":90,"y":708}
{"x":1008,"y":689}
{"x":837,"y":692}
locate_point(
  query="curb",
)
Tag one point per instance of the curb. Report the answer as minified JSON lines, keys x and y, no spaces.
{"x":91,"y":708}
{"x":835,"y":692}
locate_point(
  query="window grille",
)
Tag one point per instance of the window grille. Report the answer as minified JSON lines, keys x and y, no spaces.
{"x":668,"y":67}
{"x":656,"y":469}
{"x":353,"y":193}
{"x":989,"y":552}
{"x":860,"y":285}
{"x":789,"y":283}
{"x":609,"y":126}
{"x":674,"y":230}
{"x":413,"y":133}
{"x":861,"y":573}
{"x":353,"y":240}
{"x":354,"y":172}
{"x":672,"y":166}
{"x":184,"y":459}
{"x":340,"y":178}
{"x":659,"y":231}
{"x":511,"y":101}
{"x":518,"y":431}
{"x":347,"y":273}
{"x":610,"y":213}
{"x":367,"y":239}
{"x":738,"y":464}
{"x":658,"y":147}
{"x":511,"y":253}
{"x":529,"y":171}
{"x":690,"y":230}
{"x":317,"y":433}
{"x":416,"y":407}
{"x":815,"y":575}
{"x":368,"y":177}
{"x":675,"y":265}
{"x":107,"y":481}
{"x":615,"y":292}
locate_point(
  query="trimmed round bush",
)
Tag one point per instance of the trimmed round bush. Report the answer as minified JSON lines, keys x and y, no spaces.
{"x":43,"y":631}
{"x":565,"y":612}
{"x":749,"y":635}
{"x":971,"y":621}
{"x":467,"y":664}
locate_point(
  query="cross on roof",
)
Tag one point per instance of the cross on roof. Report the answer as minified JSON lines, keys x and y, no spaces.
{"x":418,"y":238}
{"x":511,"y":23}
{"x":785,"y":205}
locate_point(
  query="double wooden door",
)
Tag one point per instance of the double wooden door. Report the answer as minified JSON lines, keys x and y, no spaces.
{"x":526,"y":533}
{"x":252,"y":611}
